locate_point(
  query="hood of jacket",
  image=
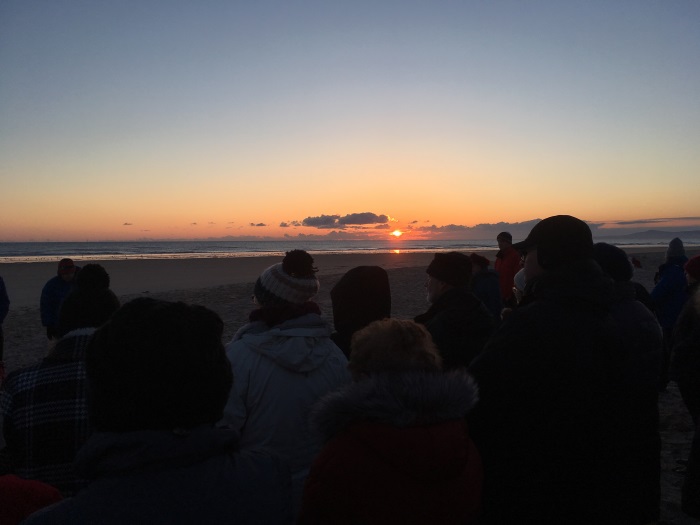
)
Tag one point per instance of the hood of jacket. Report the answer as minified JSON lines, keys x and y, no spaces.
{"x":299,"y":344}
{"x":107,"y":454}
{"x":413,"y":421}
{"x":400,"y":399}
{"x":459,"y":298}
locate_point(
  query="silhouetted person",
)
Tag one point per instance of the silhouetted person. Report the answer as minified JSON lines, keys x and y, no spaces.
{"x":54,"y":292}
{"x":457,"y":320}
{"x":397,"y":445}
{"x":283,"y":360}
{"x":361,"y":296}
{"x":486,"y":286}
{"x":551,"y":395}
{"x":507,"y":265}
{"x":44,"y":406}
{"x":158,"y":381}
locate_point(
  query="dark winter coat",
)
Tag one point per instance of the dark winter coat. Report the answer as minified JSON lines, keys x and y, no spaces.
{"x":460,"y":325}
{"x":54,"y":292}
{"x":182,"y":477}
{"x":669,"y":294}
{"x":637,"y":427}
{"x":686,"y":353}
{"x":552,"y":386}
{"x":486,"y":287}
{"x":397,"y":451}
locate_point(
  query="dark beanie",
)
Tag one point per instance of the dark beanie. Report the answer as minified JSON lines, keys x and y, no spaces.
{"x":613,"y":261}
{"x":453,"y":268}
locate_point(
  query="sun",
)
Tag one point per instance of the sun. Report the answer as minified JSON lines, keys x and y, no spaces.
{"x":396,"y":233}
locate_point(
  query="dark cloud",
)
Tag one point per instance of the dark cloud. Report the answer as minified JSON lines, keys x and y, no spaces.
{"x":363,"y":218}
{"x":287,"y":224}
{"x":193,"y":224}
{"x":413,"y":222}
{"x":284,"y":225}
{"x":258,"y":224}
{"x":128,"y":224}
{"x":382,"y":227}
{"x":322,"y":221}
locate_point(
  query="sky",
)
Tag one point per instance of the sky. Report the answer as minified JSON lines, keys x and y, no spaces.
{"x":176,"y":119}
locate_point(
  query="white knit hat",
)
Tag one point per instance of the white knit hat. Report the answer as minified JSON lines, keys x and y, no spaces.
{"x":274,"y":286}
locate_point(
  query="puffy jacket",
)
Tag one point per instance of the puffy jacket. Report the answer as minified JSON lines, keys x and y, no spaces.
{"x":398,"y":451}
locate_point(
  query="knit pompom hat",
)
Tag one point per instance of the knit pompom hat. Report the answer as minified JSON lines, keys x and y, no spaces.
{"x":675,"y":248}
{"x":293,"y":281}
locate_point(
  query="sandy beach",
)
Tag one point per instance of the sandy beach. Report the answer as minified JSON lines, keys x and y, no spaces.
{"x":225,"y":285}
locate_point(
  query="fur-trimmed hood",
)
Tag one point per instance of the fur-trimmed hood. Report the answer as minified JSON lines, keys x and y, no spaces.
{"x":397,"y":399}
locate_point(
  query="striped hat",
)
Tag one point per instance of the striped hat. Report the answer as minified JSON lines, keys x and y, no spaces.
{"x":275,"y":286}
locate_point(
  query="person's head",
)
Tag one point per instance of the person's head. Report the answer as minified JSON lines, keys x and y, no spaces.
{"x":613,"y":261}
{"x":66,"y":269}
{"x":445,"y":271}
{"x":675,"y":249}
{"x":293,"y":281}
{"x":555,"y":242}
{"x":157,"y":365}
{"x":393,"y":345}
{"x":479,"y":262}
{"x":504,"y":240}
{"x":692,"y":270}
{"x":90,"y":304}
{"x":361,"y":296}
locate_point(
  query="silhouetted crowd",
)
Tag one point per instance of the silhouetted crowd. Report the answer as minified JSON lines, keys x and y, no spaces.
{"x":527,"y":393}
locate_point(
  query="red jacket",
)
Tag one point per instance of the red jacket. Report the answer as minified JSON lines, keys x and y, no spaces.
{"x":507,"y":265}
{"x":400,"y":453}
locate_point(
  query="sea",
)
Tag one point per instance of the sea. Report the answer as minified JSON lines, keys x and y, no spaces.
{"x":188,"y":249}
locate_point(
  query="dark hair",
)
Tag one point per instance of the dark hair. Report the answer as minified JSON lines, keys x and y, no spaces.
{"x":157,"y":365}
{"x":92,"y":276}
{"x":298,"y":263}
{"x":361,"y":296}
{"x":90,"y":304}
{"x":613,"y":261}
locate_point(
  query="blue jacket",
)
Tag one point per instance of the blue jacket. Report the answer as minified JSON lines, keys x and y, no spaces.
{"x":669,"y":294}
{"x":195,"y":476}
{"x":52,"y":295}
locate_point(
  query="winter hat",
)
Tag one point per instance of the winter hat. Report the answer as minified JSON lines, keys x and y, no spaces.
{"x":675,"y":248}
{"x":692,"y":267}
{"x":559,"y":240}
{"x":293,"y":281}
{"x":479,"y":260}
{"x":613,"y":261}
{"x":452,"y":268}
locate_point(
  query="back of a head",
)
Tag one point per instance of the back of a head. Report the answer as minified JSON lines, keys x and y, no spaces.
{"x":393,"y":345}
{"x":361,"y":296}
{"x":157,"y":365}
{"x":453,"y":268}
{"x":559,"y":240}
{"x":675,"y":249}
{"x":90,"y":304}
{"x":613,"y":261}
{"x":293,"y":281}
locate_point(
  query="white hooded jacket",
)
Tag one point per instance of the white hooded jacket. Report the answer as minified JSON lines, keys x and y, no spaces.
{"x":279,"y":373}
